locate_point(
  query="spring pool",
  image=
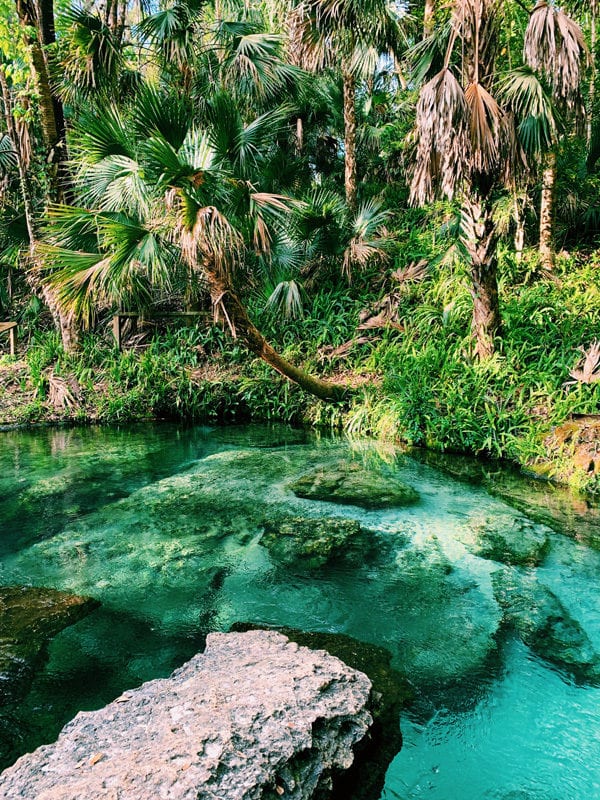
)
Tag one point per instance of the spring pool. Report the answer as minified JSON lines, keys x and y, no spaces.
{"x":485,"y":589}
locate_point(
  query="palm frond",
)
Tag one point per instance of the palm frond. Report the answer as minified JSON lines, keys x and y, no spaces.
{"x":485,"y":123}
{"x":103,"y":133}
{"x":443,"y":138}
{"x":286,"y":300}
{"x":93,"y":56}
{"x":8,"y":155}
{"x":537,"y":118}
{"x":156,"y":111}
{"x":554,"y":46}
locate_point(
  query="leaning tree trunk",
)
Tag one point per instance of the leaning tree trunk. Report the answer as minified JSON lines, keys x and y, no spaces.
{"x":229,"y":307}
{"x":480,"y":239}
{"x":546,"y":247}
{"x":350,"y":174}
{"x":38,"y":16}
{"x":63,"y":320}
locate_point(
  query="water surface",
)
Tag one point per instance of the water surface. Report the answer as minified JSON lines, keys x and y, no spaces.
{"x":165,"y":526}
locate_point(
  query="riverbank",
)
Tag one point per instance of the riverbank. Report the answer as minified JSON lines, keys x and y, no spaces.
{"x":404,"y":350}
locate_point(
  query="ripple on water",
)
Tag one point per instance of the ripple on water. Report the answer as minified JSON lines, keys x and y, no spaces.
{"x":534,"y":734}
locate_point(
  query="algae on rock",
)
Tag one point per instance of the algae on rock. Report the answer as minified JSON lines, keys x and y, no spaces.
{"x":348,"y":483}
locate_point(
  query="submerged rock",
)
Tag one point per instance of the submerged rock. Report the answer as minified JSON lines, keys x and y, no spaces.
{"x":446,"y":619}
{"x":508,"y":538}
{"x":255,"y":717}
{"x":312,"y":543}
{"x":545,"y":625}
{"x":29,"y":617}
{"x":348,"y":483}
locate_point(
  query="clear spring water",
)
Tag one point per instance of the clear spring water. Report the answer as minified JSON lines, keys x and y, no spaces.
{"x":163,"y":525}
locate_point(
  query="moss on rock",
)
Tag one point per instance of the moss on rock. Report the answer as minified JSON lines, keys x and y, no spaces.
{"x":347,"y":483}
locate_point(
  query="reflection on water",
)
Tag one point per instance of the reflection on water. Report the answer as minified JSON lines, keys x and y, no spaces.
{"x":489,"y":614}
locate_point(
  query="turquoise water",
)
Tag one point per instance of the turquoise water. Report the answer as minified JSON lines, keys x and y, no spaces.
{"x":165,"y":527}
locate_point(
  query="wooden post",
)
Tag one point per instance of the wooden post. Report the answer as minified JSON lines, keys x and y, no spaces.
{"x":117,"y":329}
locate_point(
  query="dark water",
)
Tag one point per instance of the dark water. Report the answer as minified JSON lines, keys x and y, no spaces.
{"x":164,"y":526}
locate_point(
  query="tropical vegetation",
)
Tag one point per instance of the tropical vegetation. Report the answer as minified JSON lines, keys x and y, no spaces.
{"x":393,"y":205}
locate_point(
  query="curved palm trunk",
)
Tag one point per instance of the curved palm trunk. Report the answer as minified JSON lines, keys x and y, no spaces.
{"x":350,"y":175}
{"x":228,"y":305}
{"x":546,"y":247}
{"x":480,"y":238}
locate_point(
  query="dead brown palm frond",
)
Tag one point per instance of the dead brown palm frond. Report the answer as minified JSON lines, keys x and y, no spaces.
{"x":415,"y":272}
{"x":63,"y":392}
{"x":307,"y":49}
{"x":588,"y":369}
{"x":384,"y":314}
{"x":360,"y":253}
{"x":554,"y":45}
{"x":485,"y":125}
{"x":443,"y":138}
{"x":212,"y":240}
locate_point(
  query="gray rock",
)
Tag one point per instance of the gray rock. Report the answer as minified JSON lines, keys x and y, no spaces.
{"x":507,"y":538}
{"x":348,"y":483}
{"x":29,"y":617}
{"x":545,"y":625}
{"x":254,"y":717}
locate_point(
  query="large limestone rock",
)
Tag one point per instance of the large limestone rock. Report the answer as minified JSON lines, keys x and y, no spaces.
{"x":255,"y":717}
{"x":348,"y":483}
{"x":29,"y":617}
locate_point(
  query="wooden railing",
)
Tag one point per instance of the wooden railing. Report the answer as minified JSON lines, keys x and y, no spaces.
{"x":11,"y":329}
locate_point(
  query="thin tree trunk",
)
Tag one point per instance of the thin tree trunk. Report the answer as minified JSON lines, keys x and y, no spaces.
{"x":520,"y":228}
{"x":350,"y":174}
{"x":228,"y":306}
{"x":40,"y":16}
{"x":592,"y":90}
{"x":480,"y":238}
{"x":428,"y":18}
{"x":546,"y":246}
{"x":299,"y":136}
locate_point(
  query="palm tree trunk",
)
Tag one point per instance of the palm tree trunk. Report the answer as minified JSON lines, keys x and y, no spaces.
{"x":299,"y":135}
{"x":428,"y":18}
{"x":480,"y":238}
{"x":228,"y":307}
{"x":350,"y":175}
{"x":546,"y":246}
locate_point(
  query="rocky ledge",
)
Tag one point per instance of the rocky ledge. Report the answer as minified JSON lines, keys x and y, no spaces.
{"x":254,"y":717}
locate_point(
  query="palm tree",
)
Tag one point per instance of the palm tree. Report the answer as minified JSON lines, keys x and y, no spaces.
{"x":36,"y":18}
{"x":465,"y":149}
{"x":555,"y":49}
{"x":159,"y":193}
{"x":350,"y":35}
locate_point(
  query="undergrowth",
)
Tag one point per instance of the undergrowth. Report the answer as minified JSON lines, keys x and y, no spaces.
{"x":424,"y":388}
